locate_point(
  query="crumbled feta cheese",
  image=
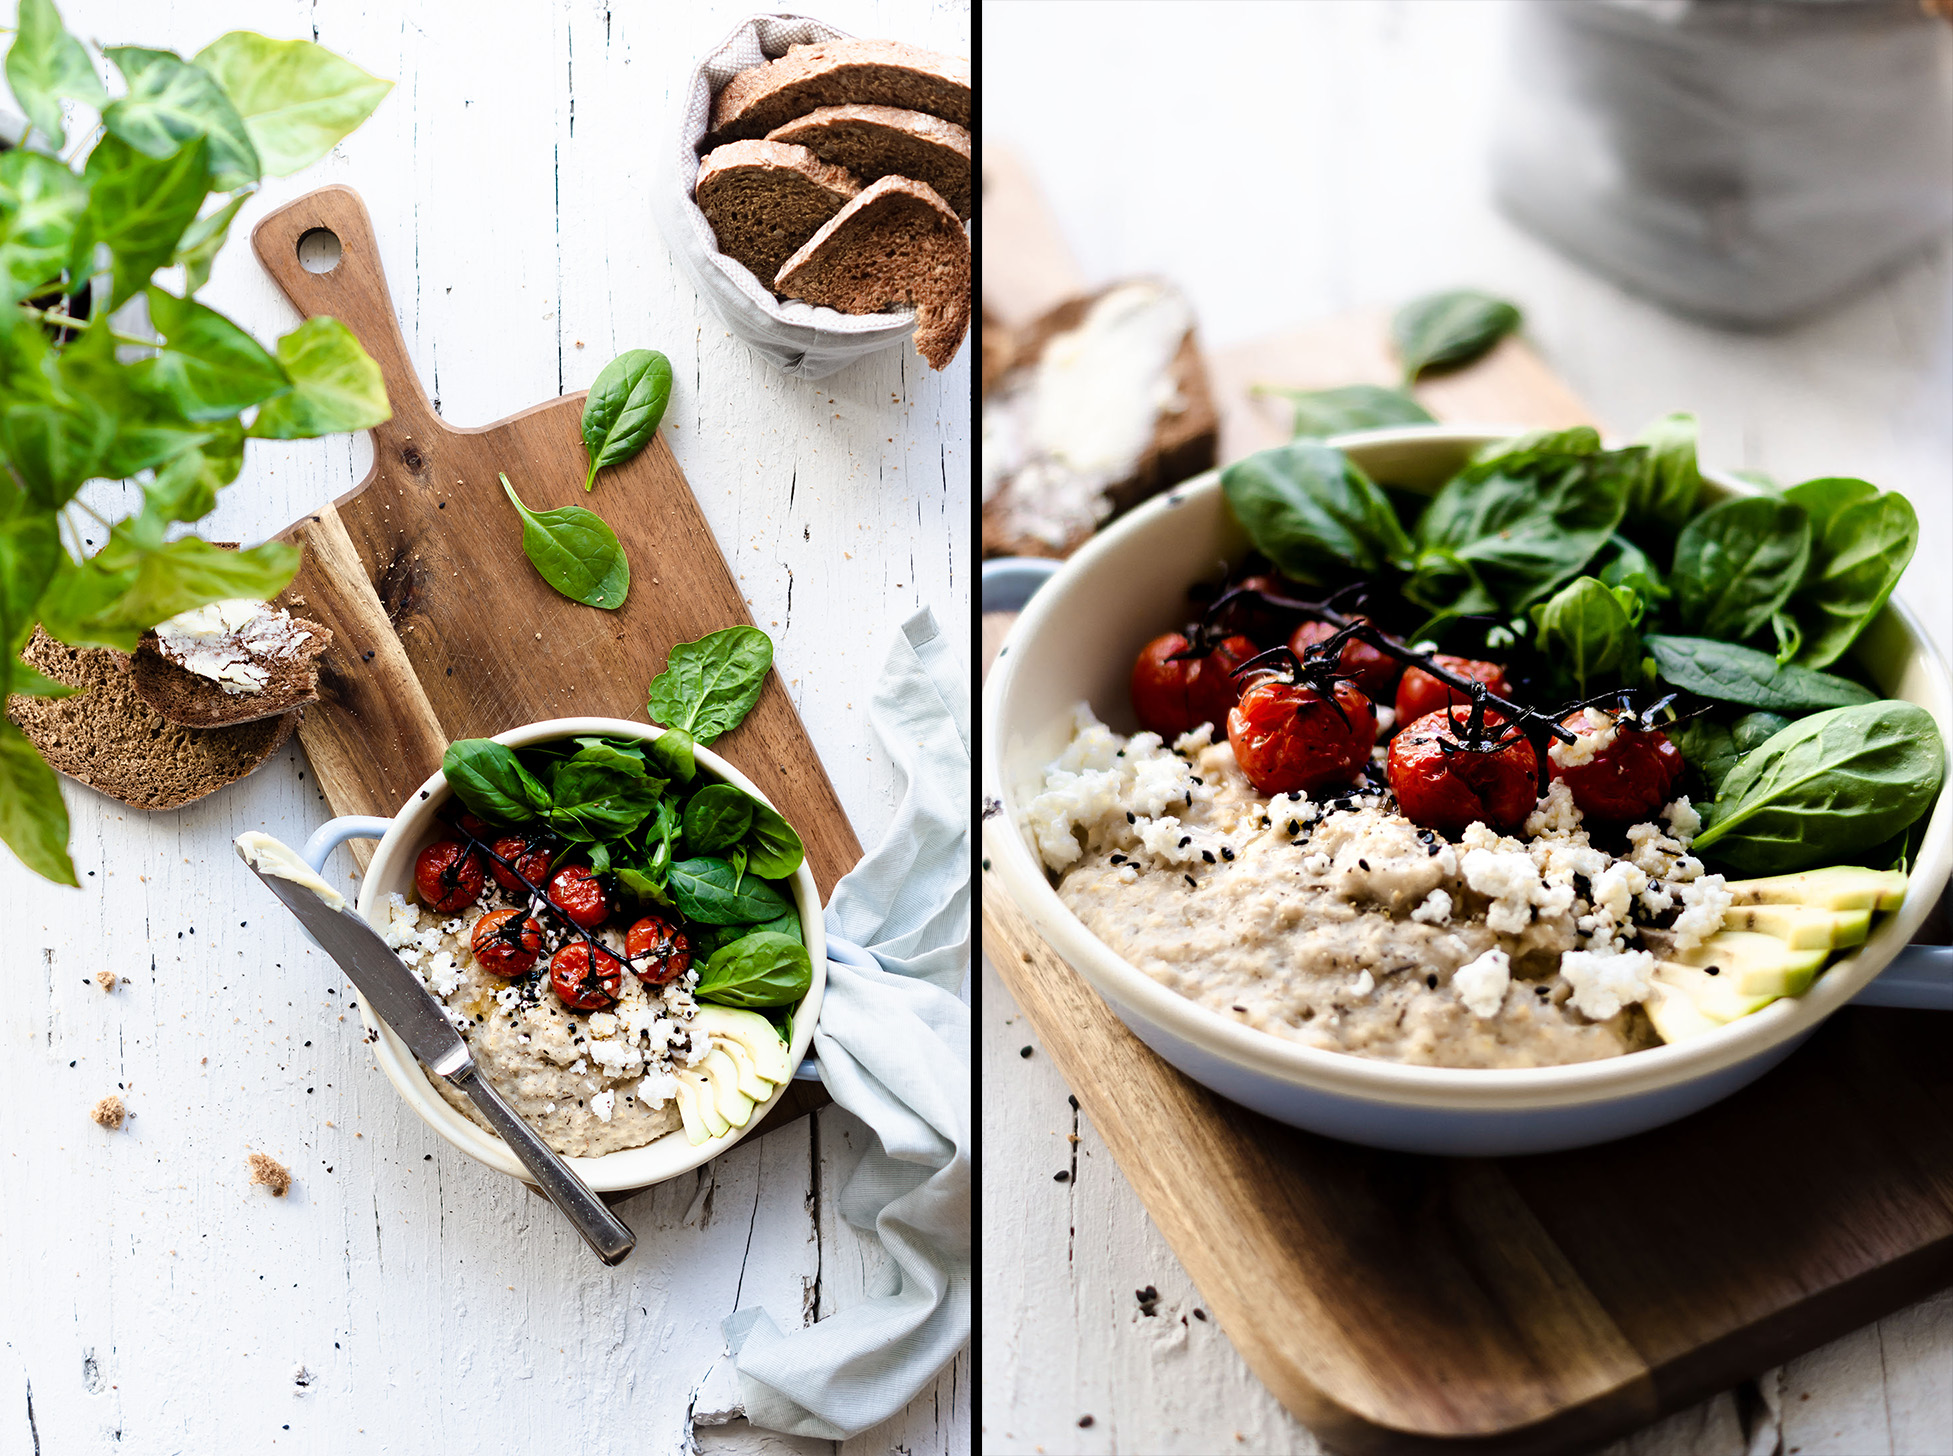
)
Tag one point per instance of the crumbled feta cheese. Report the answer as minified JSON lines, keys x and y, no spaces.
{"x":1194,"y":739}
{"x":616,"y":1058}
{"x":603,"y":1104}
{"x":1683,"y":822}
{"x":1097,"y":781}
{"x":1605,"y":981}
{"x":1365,"y":984}
{"x":1704,"y":902}
{"x":603,"y":1023}
{"x":1557,"y":815}
{"x":657,"y":1089}
{"x":1435,"y":910}
{"x":1586,"y":745}
{"x":578,"y":1067}
{"x":443,"y":975}
{"x":1481,"y":984}
{"x":1316,"y":864}
{"x":1508,"y":878}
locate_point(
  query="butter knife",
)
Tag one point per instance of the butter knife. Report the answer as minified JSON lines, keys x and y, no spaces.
{"x":417,"y":1018}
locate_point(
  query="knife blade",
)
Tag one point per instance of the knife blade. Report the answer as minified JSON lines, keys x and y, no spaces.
{"x":399,"y":999}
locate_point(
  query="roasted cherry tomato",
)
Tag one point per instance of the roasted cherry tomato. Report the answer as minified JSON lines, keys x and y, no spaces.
{"x":1419,"y":693}
{"x":1287,"y":736}
{"x":471,"y":825}
{"x":1444,"y":784}
{"x":1173,"y":697}
{"x":659,"y":951}
{"x":448,"y":875}
{"x":583,"y":986}
{"x":1627,"y":781}
{"x":531,"y":862}
{"x":575,"y":891}
{"x":1375,"y":674}
{"x":506,"y":943}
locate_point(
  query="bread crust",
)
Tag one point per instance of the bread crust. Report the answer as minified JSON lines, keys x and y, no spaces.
{"x":837,"y":72}
{"x":873,"y":142}
{"x":181,"y":696}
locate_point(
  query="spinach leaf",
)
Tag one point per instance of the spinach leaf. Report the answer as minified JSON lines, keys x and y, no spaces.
{"x":1444,"y":582}
{"x":1822,"y":499}
{"x":672,"y":752}
{"x":623,"y":408}
{"x":1629,"y":566}
{"x":491,"y":781}
{"x":1528,"y":514}
{"x":787,"y":924}
{"x":297,"y":99}
{"x":1752,"y":730}
{"x":1708,"y":747}
{"x":1743,"y":675}
{"x":1449,"y":328}
{"x":1825,"y":788}
{"x":45,"y":64}
{"x":717,"y":818}
{"x":1666,"y":493}
{"x":1586,"y":629}
{"x":761,"y":969}
{"x":1789,"y":635}
{"x":1737,"y":563}
{"x":1323,"y":412}
{"x":775,"y":849}
{"x":575,"y":552}
{"x":1312,"y":512}
{"x":644,"y":885}
{"x":713,"y":891}
{"x":169,"y":102}
{"x":709,"y":686}
{"x":600,"y":793}
{"x":1862,"y":549}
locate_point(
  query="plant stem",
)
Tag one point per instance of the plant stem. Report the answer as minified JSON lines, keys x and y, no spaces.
{"x":62,"y":320}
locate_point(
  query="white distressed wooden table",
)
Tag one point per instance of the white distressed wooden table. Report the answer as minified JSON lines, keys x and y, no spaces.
{"x":403,"y":1298}
{"x":1282,"y":163}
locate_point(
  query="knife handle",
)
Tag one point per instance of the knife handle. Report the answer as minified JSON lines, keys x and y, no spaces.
{"x":602,"y":1230}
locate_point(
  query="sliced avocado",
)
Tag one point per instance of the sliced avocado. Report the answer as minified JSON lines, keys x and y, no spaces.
{"x":734,"y":1106}
{"x":687,"y":1099}
{"x":1675,"y":1014}
{"x":750,"y":1081}
{"x":1756,"y":965}
{"x":1801,"y":927}
{"x":1718,"y":999}
{"x":752,"y":1031}
{"x":705,"y":1098}
{"x":1840,"y":887}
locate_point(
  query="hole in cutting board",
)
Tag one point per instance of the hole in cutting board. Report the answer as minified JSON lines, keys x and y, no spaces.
{"x":318,"y":250}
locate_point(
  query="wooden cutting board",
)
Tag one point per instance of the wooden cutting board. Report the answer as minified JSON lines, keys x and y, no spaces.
{"x":441,"y":627}
{"x":1409,"y":1304}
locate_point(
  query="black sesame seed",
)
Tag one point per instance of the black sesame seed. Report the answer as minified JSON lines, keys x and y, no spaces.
{"x":1118,"y":859}
{"x":1023,"y":1051}
{"x":1364,"y":865}
{"x":1207,"y":855}
{"x":1129,"y":817}
{"x":1185,"y":840}
{"x":1200,"y":1314}
{"x":1542,"y":991}
{"x":1191,"y":882}
{"x":1712,"y":970}
{"x":1226,"y":853}
{"x":1242,"y":1009}
{"x":1432,"y":982}
{"x":1084,"y":1422}
{"x":1295,"y":826}
{"x":1432,"y":848}
{"x":1061,"y":1176}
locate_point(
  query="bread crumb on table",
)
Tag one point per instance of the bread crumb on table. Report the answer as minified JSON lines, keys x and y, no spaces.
{"x":107,"y":980}
{"x":271,"y":1173}
{"x":109,"y":1112}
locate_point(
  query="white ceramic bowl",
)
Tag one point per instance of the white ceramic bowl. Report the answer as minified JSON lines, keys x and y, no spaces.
{"x":392,"y":872}
{"x":1077,"y":639}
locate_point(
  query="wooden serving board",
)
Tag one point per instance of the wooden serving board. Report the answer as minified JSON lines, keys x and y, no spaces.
{"x":1397,"y":1303}
{"x":441,"y":627}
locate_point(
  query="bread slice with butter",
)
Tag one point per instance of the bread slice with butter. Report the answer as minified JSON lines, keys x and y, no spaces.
{"x":1104,"y":403}
{"x":229,"y":662}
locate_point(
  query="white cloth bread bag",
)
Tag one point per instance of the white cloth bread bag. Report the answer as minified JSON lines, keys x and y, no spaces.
{"x":800,"y":338}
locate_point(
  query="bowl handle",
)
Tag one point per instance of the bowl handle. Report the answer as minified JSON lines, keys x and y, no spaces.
{"x":1011,"y":581}
{"x":1920,"y":978}
{"x":335,"y":832}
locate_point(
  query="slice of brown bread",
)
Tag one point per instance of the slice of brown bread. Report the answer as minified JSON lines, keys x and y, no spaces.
{"x":897,"y":245}
{"x":195,"y":701}
{"x":996,"y":343}
{"x":1185,"y":438}
{"x":764,"y":199}
{"x":886,"y":141}
{"x":839,"y":73}
{"x":110,"y":739}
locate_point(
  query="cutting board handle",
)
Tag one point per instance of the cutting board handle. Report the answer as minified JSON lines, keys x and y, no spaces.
{"x":354,"y":292}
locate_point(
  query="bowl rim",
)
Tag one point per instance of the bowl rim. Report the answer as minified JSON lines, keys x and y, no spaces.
{"x":663,"y":1157}
{"x":1133,"y":994}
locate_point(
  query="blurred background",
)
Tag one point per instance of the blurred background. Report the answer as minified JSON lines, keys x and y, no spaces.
{"x":1732,"y":208}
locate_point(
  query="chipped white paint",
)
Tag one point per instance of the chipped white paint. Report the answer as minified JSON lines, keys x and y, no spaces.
{"x":1355,"y":175}
{"x":150,"y":1299}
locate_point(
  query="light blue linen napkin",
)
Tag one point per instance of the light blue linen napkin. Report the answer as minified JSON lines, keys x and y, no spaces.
{"x":894,"y":1049}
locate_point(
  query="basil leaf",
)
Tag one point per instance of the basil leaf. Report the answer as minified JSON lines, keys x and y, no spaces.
{"x":600,"y":793}
{"x":575,"y":552}
{"x":672,"y":752}
{"x":491,"y":781}
{"x":197,"y":249}
{"x":1528,"y":514}
{"x":169,"y":102}
{"x":297,"y":99}
{"x":1738,"y":562}
{"x":717,"y":818}
{"x":624,"y":406}
{"x":713,"y":891}
{"x":336,"y":386}
{"x":33,"y":820}
{"x":1825,"y":788}
{"x":1708,"y":747}
{"x":1666,"y":493}
{"x":42,"y":205}
{"x":1586,"y":630}
{"x":207,"y":367}
{"x":761,"y":969}
{"x":1323,"y":412}
{"x":1862,"y":550}
{"x":1449,"y":328}
{"x":1743,"y":675}
{"x":1753,"y":730}
{"x":45,"y":64}
{"x":1311,"y":511}
{"x":139,"y":207}
{"x":709,"y":686}
{"x":774,"y":846}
